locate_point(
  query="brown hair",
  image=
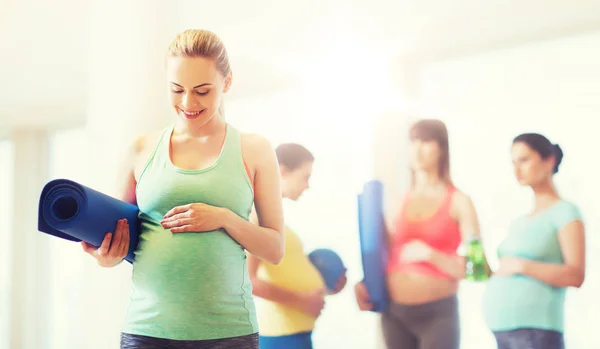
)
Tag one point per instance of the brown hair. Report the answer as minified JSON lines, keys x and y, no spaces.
{"x":434,"y":130}
{"x":292,"y":155}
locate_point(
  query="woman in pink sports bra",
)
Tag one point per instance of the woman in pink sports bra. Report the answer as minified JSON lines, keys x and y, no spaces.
{"x":424,"y":268}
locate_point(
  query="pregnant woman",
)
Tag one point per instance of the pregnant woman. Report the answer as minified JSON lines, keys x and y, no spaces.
{"x":195,"y":183}
{"x":543,"y":254}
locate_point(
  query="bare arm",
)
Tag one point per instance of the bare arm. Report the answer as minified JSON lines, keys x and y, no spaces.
{"x":269,"y":291}
{"x":264,"y":240}
{"x":466,"y":215}
{"x":572,"y":271}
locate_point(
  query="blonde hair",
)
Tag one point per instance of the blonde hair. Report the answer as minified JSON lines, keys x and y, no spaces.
{"x":201,"y":43}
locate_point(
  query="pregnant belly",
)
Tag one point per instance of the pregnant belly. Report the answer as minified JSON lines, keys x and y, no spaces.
{"x":513,"y":294}
{"x":181,"y":267}
{"x":406,"y":287}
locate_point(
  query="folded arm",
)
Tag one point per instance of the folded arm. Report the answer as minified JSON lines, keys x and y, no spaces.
{"x":572,"y":271}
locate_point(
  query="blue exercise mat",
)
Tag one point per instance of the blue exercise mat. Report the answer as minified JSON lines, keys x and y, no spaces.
{"x":373,"y":243}
{"x":74,"y":212}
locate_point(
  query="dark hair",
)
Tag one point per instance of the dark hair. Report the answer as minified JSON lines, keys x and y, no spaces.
{"x":434,"y":130}
{"x":541,"y":145}
{"x":292,"y":155}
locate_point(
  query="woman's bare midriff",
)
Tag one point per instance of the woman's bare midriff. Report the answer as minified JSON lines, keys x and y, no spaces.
{"x":412,"y":288}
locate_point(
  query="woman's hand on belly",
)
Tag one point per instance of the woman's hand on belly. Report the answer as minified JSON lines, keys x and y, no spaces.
{"x":197,"y":217}
{"x":416,"y":251}
{"x":510,"y":266}
{"x":312,"y":303}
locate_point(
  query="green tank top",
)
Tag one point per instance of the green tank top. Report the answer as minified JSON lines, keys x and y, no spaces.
{"x":191,"y":286}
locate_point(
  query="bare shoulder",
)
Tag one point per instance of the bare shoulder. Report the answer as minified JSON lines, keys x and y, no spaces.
{"x":144,"y":143}
{"x":462,"y":203}
{"x":140,"y":150}
{"x":256,"y":148}
{"x":463,"y":211}
{"x":461,"y":198}
{"x":254,"y":141}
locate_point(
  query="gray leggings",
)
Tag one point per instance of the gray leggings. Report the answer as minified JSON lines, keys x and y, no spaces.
{"x":433,"y":325}
{"x":529,"y":338}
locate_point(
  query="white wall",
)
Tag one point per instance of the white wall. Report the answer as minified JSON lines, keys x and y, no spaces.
{"x":69,"y":262}
{"x":6,"y":195}
{"x":488,"y":99}
{"x":44,"y":62}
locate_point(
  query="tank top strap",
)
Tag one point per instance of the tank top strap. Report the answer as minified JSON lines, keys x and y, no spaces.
{"x":447,"y":203}
{"x":164,"y":145}
{"x":160,"y":150}
{"x":403,"y":205}
{"x":231,"y":154}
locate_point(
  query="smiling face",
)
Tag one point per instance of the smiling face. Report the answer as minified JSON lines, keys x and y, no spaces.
{"x":196,"y":88}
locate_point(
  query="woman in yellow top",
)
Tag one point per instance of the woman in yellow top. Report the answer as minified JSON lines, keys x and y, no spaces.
{"x":293,"y":291}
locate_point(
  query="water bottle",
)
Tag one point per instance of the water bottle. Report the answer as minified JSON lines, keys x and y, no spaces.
{"x":476,"y":267}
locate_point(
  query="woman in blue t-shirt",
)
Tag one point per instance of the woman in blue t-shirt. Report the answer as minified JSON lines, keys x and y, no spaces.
{"x":543,"y":254}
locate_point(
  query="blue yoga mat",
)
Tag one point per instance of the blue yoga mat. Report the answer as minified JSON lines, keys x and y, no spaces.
{"x":373,"y":243}
{"x":74,"y":212}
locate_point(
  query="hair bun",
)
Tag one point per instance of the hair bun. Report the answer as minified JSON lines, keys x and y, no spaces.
{"x":558,"y":156}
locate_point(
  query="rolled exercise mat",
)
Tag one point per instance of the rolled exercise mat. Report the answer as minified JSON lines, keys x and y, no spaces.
{"x":373,"y":243}
{"x":74,"y":212}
